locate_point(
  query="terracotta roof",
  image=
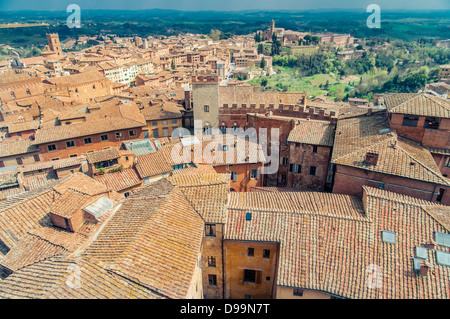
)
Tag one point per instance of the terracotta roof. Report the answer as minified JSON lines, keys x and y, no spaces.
{"x":102,"y":155}
{"x":17,"y":147}
{"x":207,"y":193}
{"x":121,"y":180}
{"x":23,"y":126}
{"x":152,"y":164}
{"x":64,"y":132}
{"x":153,"y":239}
{"x":76,"y":79}
{"x":396,"y":156}
{"x":54,"y":279}
{"x":422,"y":104}
{"x":312,"y":132}
{"x":330,"y":244}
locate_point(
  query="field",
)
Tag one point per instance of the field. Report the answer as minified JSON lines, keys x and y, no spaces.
{"x":288,"y":80}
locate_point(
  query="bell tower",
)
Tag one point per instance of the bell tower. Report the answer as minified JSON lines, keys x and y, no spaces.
{"x":53,"y":43}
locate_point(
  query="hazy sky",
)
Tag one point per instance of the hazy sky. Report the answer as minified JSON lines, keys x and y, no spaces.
{"x":57,"y":5}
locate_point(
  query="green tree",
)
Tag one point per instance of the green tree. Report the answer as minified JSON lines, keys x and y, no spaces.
{"x":263,"y":63}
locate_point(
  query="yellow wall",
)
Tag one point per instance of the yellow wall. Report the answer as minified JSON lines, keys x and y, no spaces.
{"x":237,"y":260}
{"x":288,"y":293}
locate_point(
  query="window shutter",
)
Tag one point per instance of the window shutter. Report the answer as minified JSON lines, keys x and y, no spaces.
{"x":258,"y":276}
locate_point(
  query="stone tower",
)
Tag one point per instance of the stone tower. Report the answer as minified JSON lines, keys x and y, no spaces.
{"x":205,"y":98}
{"x":53,"y":43}
{"x":272,"y":27}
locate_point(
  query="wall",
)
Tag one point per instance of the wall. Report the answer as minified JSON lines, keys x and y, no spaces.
{"x":349,"y":180}
{"x":80,"y":148}
{"x":303,"y":155}
{"x":206,"y":93}
{"x":160,"y":127}
{"x":27,"y":158}
{"x":288,"y":293}
{"x":243,"y":182}
{"x":213,"y":247}
{"x":236,"y":260}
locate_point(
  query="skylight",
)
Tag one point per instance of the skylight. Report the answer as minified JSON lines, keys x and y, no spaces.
{"x":442,"y":239}
{"x":443,"y":258}
{"x":421,"y":253}
{"x":388,"y":236}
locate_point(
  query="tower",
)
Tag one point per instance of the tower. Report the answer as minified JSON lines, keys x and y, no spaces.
{"x":272,"y":27}
{"x":53,"y":43}
{"x":205,"y":98}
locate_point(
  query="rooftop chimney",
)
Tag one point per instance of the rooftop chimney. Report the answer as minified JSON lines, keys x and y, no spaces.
{"x":371,"y":158}
{"x":423,"y":270}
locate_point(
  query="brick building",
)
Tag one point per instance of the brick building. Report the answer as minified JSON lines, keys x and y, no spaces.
{"x":71,"y":140}
{"x":424,"y":118}
{"x":368,"y":152}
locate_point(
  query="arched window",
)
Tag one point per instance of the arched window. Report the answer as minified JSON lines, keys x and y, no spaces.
{"x":207,"y":129}
{"x":28,"y":92}
{"x":13,"y":95}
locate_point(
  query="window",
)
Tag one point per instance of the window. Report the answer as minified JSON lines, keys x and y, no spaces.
{"x":87,"y":140}
{"x":132,"y":133}
{"x":410,"y":120}
{"x":432,"y":122}
{"x":312,"y":170}
{"x":267,"y":278}
{"x":66,"y":220}
{"x":164,"y":122}
{"x":298,"y":292}
{"x":104,"y":137}
{"x":73,"y":155}
{"x":251,"y":252}
{"x":126,"y":194}
{"x":211,"y":261}
{"x":154,"y":123}
{"x":212,"y":280}
{"x":155,"y":133}
{"x":119,"y":135}
{"x":51,"y":147}
{"x":314,"y":148}
{"x":266,"y":253}
{"x":166,"y":132}
{"x":55,"y":159}
{"x":252,"y":276}
{"x":36,"y":158}
{"x":28,"y":92}
{"x":13,"y":95}
{"x":283,"y":179}
{"x":174,"y":121}
{"x":285,"y":160}
{"x":233,"y":176}
{"x":388,"y":236}
{"x":447,"y":162}
{"x":296,"y":168}
{"x":2,"y":164}
{"x":145,"y":134}
{"x":19,"y":160}
{"x":254,"y":174}
{"x":206,"y":108}
{"x":249,"y":275}
{"x":441,"y":194}
{"x":70,"y":144}
{"x":249,"y":297}
{"x":210,"y":230}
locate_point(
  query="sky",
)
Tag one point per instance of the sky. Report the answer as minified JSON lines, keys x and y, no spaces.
{"x":223,"y":5}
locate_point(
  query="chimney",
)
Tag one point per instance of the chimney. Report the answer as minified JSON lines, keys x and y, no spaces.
{"x":371,"y":158}
{"x":423,"y":272}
